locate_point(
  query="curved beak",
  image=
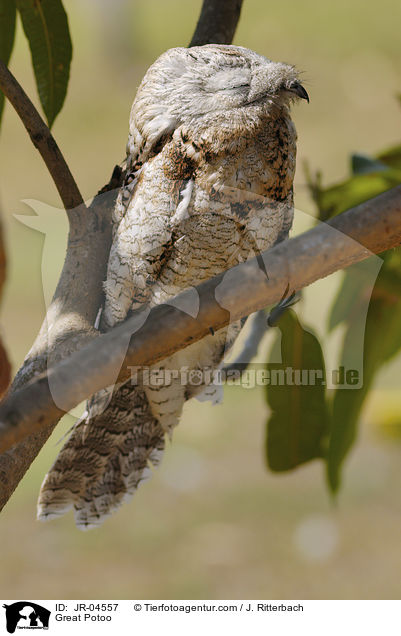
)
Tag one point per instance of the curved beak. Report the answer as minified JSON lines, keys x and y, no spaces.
{"x":298,"y":89}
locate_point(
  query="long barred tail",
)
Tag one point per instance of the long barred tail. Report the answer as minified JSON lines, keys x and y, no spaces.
{"x":105,"y":459}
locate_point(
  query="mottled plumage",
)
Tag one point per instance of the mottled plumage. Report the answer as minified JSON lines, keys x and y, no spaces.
{"x":210,"y":165}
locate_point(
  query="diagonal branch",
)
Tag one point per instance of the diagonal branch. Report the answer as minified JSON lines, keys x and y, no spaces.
{"x":217,"y":22}
{"x":42,"y":139}
{"x":373,"y":227}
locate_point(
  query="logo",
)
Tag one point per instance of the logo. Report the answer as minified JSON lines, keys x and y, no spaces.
{"x":26,"y":615}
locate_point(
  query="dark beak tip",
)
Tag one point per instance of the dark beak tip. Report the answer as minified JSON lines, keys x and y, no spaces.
{"x":299,"y":90}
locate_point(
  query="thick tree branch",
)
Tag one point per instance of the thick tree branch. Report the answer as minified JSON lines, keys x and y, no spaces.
{"x":217,"y":22}
{"x":372,"y":227}
{"x":68,"y":324}
{"x":42,"y":139}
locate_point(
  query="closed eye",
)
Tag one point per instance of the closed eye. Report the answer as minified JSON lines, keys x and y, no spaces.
{"x":228,"y":80}
{"x":232,"y":88}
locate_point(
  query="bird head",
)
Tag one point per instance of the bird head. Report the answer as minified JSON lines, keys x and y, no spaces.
{"x":208,"y":85}
{"x":215,"y":77}
{"x":230,"y":76}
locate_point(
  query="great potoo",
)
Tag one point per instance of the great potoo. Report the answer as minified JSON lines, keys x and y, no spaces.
{"x":210,"y":166}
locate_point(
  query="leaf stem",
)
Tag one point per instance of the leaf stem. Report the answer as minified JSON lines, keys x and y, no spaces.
{"x":42,"y":139}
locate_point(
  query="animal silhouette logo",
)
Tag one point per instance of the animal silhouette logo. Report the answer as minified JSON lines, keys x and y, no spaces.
{"x":26,"y":615}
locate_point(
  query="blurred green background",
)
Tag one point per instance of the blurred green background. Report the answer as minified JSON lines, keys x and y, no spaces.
{"x":212,"y":522}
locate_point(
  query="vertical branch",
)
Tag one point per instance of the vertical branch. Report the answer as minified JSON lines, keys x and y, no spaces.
{"x":217,"y":22}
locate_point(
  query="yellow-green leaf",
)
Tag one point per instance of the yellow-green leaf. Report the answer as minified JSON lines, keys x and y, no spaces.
{"x":391,"y":157}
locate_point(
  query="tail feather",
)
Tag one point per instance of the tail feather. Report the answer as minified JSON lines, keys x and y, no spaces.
{"x":105,"y":459}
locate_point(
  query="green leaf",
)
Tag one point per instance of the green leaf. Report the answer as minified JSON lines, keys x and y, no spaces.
{"x":7,"y":33}
{"x":382,"y":342}
{"x":299,"y":420}
{"x":362,"y":164}
{"x":46,"y":27}
{"x":351,"y":192}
